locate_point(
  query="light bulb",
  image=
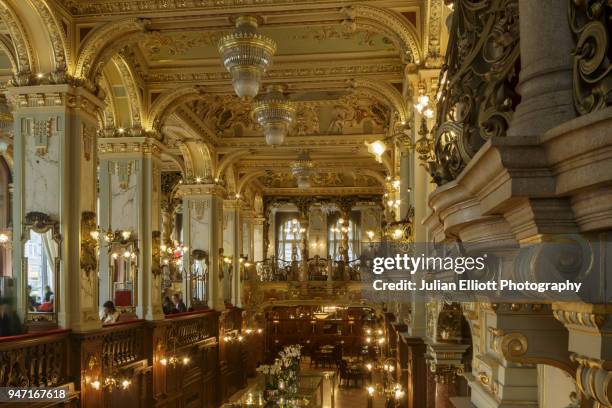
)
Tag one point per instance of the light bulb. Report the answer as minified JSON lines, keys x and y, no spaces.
{"x":125,"y":384}
{"x":126,"y":234}
{"x":423,"y":100}
{"x":127,"y":254}
{"x":370,"y":390}
{"x":95,"y":385}
{"x":163,"y":361}
{"x":377,"y":148}
{"x":95,"y":234}
{"x":397,"y":234}
{"x":186,"y":360}
{"x":163,"y":247}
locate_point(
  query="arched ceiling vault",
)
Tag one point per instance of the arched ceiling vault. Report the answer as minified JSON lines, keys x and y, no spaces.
{"x":344,"y":64}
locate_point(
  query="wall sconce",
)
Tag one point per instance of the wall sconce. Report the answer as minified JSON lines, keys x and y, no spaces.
{"x":5,"y":238}
{"x":377,"y":148}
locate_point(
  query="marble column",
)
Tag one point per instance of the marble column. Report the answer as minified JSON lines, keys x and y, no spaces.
{"x":258,"y":239}
{"x":232,"y":238}
{"x":55,"y":173}
{"x":130,"y":197}
{"x":406,"y":181}
{"x":202,"y":230}
{"x":545,"y":80}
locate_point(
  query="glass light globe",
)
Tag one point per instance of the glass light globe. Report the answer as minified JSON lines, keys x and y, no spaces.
{"x":275,"y":133}
{"x":246,"y":83}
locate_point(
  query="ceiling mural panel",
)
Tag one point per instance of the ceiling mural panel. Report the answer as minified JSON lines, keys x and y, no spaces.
{"x":338,"y":38}
{"x":353,"y":113}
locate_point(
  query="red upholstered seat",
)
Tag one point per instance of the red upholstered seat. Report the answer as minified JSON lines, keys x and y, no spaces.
{"x":123,"y":298}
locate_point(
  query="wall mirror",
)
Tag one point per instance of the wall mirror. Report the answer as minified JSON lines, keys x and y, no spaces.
{"x":41,"y":267}
{"x":123,"y":250}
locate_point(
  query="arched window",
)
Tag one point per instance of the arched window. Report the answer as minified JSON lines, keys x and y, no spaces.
{"x":334,"y":239}
{"x":289,"y":237}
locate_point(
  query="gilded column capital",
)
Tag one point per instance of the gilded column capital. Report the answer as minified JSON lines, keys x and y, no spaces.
{"x":594,"y":378}
{"x":199,"y":190}
{"x":232,"y":203}
{"x":129,"y":145}
{"x":26,"y":98}
{"x":445,"y":361}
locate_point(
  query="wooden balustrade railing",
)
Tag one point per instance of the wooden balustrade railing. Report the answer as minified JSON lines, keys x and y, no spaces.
{"x":122,"y":344}
{"x":36,"y":360}
{"x":186,"y":329}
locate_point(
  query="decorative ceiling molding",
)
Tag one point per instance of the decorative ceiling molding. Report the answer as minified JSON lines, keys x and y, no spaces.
{"x":383,"y":68}
{"x":23,"y":47}
{"x":386,"y":92}
{"x":328,"y":191}
{"x":6,"y":45}
{"x":391,"y":23}
{"x":58,"y":41}
{"x":293,"y":141}
{"x":114,"y":35}
{"x":97,"y":7}
{"x":129,"y":82}
{"x":167,"y":102}
{"x":433,"y":32}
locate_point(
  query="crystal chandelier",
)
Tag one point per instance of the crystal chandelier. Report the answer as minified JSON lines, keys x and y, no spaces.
{"x":303,"y":169}
{"x":275,"y":113}
{"x":246,"y":55}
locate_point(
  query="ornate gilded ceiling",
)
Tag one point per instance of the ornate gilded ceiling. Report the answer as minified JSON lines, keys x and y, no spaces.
{"x":344,"y":63}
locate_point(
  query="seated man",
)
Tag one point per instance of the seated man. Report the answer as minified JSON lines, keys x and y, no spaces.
{"x":179,"y":305}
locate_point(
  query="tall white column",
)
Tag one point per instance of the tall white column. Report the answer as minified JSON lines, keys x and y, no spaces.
{"x":202,"y":229}
{"x":258,"y":239}
{"x":232,"y":238}
{"x":133,"y":196}
{"x":55,"y":174}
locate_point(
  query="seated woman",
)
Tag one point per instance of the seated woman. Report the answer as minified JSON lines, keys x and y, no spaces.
{"x":110,"y":313}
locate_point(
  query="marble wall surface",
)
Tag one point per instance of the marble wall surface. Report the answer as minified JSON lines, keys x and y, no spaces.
{"x":42,"y":168}
{"x":124,"y":197}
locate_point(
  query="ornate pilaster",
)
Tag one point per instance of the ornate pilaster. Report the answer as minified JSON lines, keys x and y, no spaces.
{"x":590,"y":342}
{"x":445,"y":362}
{"x":203,"y":230}
{"x":232,"y":239}
{"x":55,"y":174}
{"x":258,"y":239}
{"x":130,"y":197}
